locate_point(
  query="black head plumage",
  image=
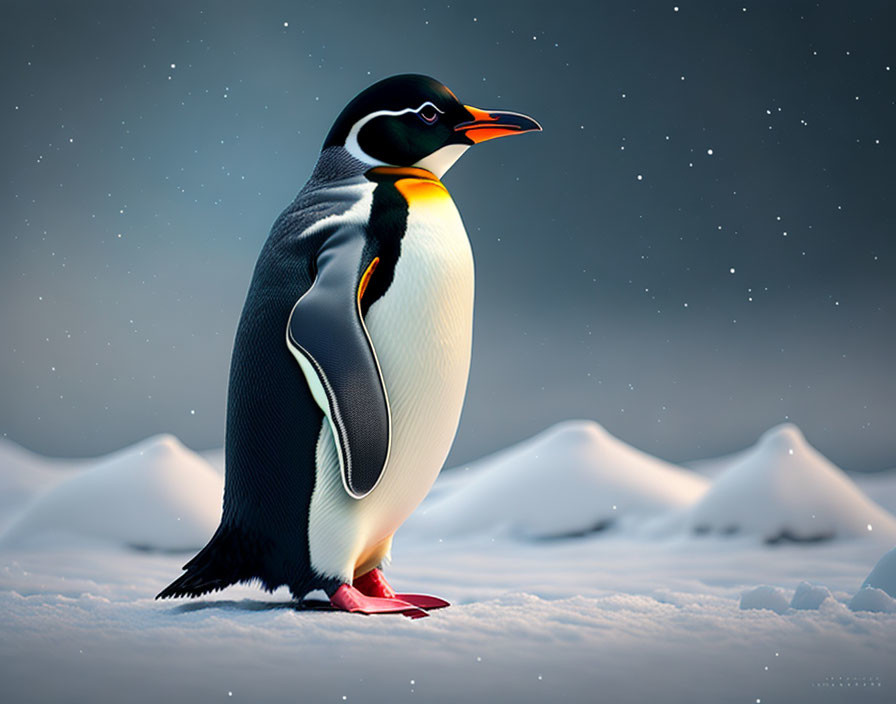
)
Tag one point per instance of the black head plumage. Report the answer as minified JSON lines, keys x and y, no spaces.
{"x":403,"y":119}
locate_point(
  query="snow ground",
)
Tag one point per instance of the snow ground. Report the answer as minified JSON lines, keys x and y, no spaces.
{"x":612,"y":616}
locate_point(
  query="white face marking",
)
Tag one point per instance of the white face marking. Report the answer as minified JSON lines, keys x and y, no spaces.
{"x":353,"y":148}
{"x":442,"y":159}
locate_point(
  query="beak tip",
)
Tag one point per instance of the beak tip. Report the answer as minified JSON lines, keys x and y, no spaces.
{"x":487,"y":124}
{"x":528,"y":124}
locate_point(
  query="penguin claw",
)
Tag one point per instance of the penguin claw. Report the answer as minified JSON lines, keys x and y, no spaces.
{"x":347,"y":598}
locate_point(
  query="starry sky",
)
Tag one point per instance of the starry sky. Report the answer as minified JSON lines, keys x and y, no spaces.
{"x":700,"y":244}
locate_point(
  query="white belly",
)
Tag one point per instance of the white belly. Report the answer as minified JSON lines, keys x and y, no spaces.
{"x":421,"y":330}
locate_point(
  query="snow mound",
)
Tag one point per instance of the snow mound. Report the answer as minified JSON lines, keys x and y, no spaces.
{"x":215,"y":458}
{"x":871,"y":599}
{"x":883,"y":576}
{"x":784,"y":490}
{"x":713,"y":466}
{"x":809,"y":596}
{"x":24,"y":474}
{"x":765,"y":597}
{"x":571,"y":479}
{"x":881,"y":486}
{"x":156,"y":494}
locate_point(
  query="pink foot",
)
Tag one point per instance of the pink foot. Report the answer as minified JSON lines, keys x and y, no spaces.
{"x":374,"y":584}
{"x":424,"y":601}
{"x":347,"y":598}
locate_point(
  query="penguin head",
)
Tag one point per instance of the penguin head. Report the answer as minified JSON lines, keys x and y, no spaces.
{"x":413,"y":120}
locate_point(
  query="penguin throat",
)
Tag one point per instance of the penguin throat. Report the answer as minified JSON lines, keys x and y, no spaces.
{"x":442,"y":159}
{"x":438,"y":162}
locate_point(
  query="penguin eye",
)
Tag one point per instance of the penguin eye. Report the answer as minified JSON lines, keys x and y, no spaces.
{"x":428,"y":113}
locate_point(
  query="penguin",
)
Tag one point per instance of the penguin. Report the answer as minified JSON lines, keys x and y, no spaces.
{"x":351,"y":356}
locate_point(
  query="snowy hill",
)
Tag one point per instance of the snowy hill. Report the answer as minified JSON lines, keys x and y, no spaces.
{"x":571,"y":479}
{"x":783,"y":489}
{"x":880,"y":485}
{"x":215,"y":458}
{"x":156,"y":494}
{"x":712,"y":467}
{"x":883,"y":576}
{"x":24,"y":474}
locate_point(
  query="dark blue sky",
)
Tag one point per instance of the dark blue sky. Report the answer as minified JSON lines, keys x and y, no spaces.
{"x":698,"y":246}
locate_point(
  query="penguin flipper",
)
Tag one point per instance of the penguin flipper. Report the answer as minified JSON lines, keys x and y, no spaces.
{"x":327,"y":336}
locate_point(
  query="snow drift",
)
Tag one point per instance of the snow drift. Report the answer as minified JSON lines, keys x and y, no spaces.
{"x":569,"y":480}
{"x":765,"y":597}
{"x":872,"y":599}
{"x":24,"y":474}
{"x":784,"y":490}
{"x":883,"y":576}
{"x":810,"y":596}
{"x":156,"y":494}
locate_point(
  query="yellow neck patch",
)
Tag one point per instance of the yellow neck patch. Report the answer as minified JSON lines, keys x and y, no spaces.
{"x":417,"y":186}
{"x":417,"y":191}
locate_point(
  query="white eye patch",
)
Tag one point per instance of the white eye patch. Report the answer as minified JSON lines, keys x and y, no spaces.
{"x":351,"y":142}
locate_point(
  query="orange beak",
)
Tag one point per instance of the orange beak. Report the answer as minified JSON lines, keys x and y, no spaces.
{"x":488,"y":124}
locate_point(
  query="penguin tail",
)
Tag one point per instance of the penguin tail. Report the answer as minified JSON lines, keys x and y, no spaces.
{"x":230,"y":557}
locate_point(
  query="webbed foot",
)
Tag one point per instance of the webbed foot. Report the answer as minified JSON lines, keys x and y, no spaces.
{"x":348,"y":598}
{"x":374,"y":584}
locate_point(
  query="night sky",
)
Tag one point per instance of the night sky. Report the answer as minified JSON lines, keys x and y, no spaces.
{"x":701,"y":243}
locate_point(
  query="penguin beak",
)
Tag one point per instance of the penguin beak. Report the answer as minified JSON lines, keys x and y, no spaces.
{"x":488,"y":124}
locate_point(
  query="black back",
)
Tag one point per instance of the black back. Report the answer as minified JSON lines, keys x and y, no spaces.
{"x":273,"y":422}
